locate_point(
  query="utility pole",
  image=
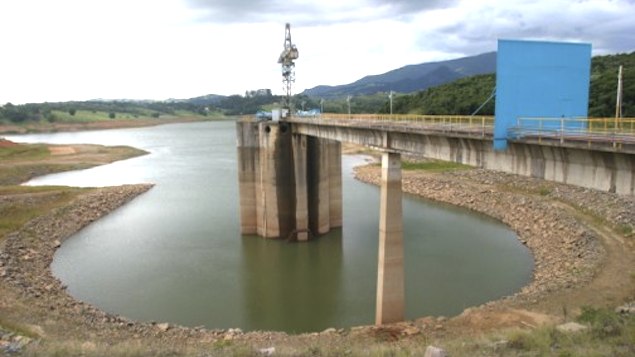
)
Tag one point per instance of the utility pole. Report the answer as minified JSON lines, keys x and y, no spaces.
{"x":390,"y":97}
{"x":321,"y":105}
{"x":348,"y":101}
{"x":618,"y":102}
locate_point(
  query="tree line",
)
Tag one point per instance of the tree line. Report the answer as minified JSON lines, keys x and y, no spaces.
{"x":50,"y":111}
{"x":464,"y":96}
{"x":461,"y":97}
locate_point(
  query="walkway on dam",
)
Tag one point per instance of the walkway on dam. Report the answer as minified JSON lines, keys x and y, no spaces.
{"x":607,"y":134}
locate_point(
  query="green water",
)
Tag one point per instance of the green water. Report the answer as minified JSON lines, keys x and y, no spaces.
{"x":175,"y":253}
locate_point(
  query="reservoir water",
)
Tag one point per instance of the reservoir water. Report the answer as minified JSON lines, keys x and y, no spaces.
{"x":175,"y":253}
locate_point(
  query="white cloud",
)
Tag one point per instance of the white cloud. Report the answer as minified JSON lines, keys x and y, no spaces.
{"x":77,"y":50}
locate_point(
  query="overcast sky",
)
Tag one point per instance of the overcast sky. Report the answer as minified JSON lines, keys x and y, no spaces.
{"x":65,"y":50}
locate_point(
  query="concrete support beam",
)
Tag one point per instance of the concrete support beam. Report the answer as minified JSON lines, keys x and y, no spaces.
{"x":319,"y":192}
{"x":266,"y":190}
{"x":335,"y":183}
{"x":248,"y":167}
{"x":301,"y":187}
{"x":390,"y":273}
{"x":275,"y":182}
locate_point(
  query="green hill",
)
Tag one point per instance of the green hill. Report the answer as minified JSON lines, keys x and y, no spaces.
{"x":410,"y":78}
{"x":464,"y":96}
{"x":604,"y":85}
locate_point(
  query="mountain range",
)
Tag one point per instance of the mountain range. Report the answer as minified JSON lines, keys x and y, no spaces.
{"x":411,"y":78}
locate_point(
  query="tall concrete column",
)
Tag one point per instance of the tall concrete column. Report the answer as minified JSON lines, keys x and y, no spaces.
{"x":301,"y":187}
{"x":275,"y":182}
{"x":335,"y":183}
{"x":318,"y":181}
{"x":248,"y":167}
{"x":390,"y":273}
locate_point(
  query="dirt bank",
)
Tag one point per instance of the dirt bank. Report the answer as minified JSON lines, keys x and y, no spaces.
{"x":46,"y":127}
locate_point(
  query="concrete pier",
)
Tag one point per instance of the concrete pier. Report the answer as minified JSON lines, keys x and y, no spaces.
{"x":335,"y":182}
{"x":290,"y":185}
{"x":248,"y":168}
{"x":390,"y":274}
{"x":301,"y":187}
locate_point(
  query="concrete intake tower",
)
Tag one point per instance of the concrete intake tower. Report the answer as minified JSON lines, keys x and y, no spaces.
{"x":290,"y":185}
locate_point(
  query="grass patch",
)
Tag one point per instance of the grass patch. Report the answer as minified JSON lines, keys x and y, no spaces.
{"x":15,"y":175}
{"x":24,"y":152}
{"x":609,"y":334}
{"x":625,"y":229}
{"x":434,"y":165}
{"x":27,"y":203}
{"x":16,"y":328}
{"x":91,"y":349}
{"x":544,"y":190}
{"x":80,"y":116}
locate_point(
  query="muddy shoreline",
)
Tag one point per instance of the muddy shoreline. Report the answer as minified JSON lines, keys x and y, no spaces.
{"x":548,"y":217}
{"x":46,"y":127}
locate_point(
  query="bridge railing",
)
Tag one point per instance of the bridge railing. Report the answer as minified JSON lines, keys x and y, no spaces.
{"x":472,"y":125}
{"x":612,"y":131}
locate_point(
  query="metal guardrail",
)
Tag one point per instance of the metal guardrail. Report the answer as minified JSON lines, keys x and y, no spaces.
{"x":480,"y":126}
{"x":594,"y":132}
{"x":591,"y":131}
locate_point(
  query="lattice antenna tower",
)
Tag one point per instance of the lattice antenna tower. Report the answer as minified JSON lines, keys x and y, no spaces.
{"x":288,"y":55}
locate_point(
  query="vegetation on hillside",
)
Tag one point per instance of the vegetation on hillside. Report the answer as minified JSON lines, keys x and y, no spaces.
{"x":465,"y":95}
{"x":461,"y":97}
{"x":98,"y":110}
{"x":603,"y":91}
{"x":410,"y":78}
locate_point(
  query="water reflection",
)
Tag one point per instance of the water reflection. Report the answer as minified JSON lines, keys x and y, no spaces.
{"x":292,"y":286}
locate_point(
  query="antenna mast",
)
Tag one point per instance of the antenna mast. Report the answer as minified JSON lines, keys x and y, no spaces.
{"x":288,"y":55}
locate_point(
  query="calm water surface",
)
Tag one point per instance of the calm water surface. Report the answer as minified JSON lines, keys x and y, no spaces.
{"x":175,"y":253}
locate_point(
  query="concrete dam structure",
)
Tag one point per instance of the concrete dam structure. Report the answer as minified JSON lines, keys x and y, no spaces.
{"x":290,"y":185}
{"x":291,"y":188}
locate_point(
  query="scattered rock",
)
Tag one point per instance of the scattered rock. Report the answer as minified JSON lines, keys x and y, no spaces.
{"x":163,"y":327}
{"x":329,"y":331}
{"x":267,"y":351}
{"x":432,"y":351}
{"x":235,"y":331}
{"x":626,"y":309}
{"x":88,"y":346}
{"x":571,"y":327}
{"x":411,"y":331}
{"x":498,"y":345}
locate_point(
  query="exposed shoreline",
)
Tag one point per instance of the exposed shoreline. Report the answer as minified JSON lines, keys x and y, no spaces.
{"x":45,"y":127}
{"x":553,"y":220}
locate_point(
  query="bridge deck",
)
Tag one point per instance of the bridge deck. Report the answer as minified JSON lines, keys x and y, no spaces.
{"x":604,"y":134}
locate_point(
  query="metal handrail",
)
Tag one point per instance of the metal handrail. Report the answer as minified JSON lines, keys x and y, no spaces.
{"x":593,"y":131}
{"x":464,"y":125}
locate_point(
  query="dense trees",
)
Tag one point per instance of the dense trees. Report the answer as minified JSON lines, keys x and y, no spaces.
{"x":463,"y":96}
{"x":603,"y":91}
